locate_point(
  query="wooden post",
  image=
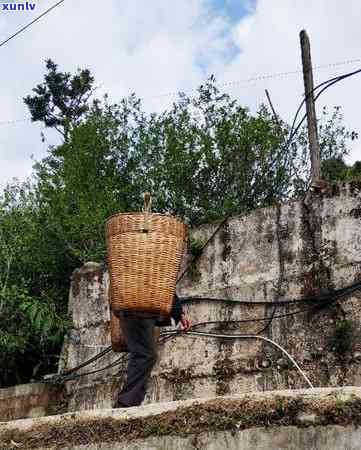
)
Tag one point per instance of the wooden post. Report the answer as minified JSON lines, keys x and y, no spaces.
{"x":310,"y":108}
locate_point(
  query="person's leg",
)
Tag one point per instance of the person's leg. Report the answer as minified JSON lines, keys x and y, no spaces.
{"x":139,"y":335}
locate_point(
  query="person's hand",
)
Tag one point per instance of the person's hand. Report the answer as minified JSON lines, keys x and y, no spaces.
{"x":185,"y":323}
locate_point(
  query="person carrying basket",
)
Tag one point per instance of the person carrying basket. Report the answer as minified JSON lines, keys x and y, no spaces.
{"x":144,"y":252}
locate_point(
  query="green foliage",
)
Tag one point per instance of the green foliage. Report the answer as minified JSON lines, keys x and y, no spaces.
{"x":203,"y":159}
{"x":336,"y":170}
{"x":334,"y":140}
{"x":61,"y":101}
{"x":30,"y":329}
{"x":33,"y":289}
{"x":208,"y":157}
{"x":196,"y":246}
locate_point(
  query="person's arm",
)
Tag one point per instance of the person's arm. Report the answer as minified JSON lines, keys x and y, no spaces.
{"x":178,"y":314}
{"x":177,"y":309}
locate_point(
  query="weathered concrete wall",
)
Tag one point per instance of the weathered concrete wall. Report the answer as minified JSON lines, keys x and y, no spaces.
{"x":292,"y":251}
{"x":89,"y":309}
{"x":316,"y":419}
{"x":31,"y":400}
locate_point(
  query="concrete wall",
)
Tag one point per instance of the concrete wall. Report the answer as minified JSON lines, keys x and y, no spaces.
{"x":288,"y":420}
{"x":89,"y":309}
{"x":31,"y":400}
{"x":295,"y":250}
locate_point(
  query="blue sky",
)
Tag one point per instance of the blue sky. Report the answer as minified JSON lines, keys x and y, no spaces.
{"x":234,"y":9}
{"x":159,"y":47}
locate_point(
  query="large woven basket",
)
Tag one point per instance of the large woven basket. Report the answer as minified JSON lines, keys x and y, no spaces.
{"x":144,"y":252}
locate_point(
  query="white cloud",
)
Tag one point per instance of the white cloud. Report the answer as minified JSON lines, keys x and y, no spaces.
{"x":269,"y":43}
{"x":156,"y":47}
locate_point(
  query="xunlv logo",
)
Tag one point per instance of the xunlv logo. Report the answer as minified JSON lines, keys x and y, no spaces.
{"x":25,"y":6}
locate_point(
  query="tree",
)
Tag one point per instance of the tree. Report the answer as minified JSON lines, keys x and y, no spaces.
{"x":203,"y":159}
{"x":88,"y":178}
{"x":32,"y":319}
{"x":62,"y":100}
{"x":334,"y":146}
{"x":336,"y":170}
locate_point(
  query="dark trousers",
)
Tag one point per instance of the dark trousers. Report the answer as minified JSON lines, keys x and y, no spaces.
{"x":139,"y":335}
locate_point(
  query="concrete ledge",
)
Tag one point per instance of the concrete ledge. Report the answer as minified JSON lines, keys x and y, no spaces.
{"x":31,"y":400}
{"x":244,"y":421}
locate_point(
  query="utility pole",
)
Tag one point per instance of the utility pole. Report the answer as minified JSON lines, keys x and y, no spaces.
{"x":310,"y":108}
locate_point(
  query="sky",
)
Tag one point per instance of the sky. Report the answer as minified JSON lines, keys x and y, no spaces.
{"x":159,"y":48}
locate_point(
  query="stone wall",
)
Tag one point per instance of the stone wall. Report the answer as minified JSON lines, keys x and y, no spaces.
{"x":298,"y":249}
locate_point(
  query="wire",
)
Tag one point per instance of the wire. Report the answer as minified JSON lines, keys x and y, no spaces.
{"x":260,"y":78}
{"x":248,"y":336}
{"x":324,"y":302}
{"x":76,"y":376}
{"x":328,"y":84}
{"x":11,"y":122}
{"x":322,"y":297}
{"x":85,"y":363}
{"x":171,"y":334}
{"x":31,"y":23}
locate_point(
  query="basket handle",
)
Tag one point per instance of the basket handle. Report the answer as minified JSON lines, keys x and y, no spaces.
{"x":146,"y":209}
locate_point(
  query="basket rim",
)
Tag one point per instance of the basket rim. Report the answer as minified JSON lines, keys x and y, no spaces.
{"x":138,"y":213}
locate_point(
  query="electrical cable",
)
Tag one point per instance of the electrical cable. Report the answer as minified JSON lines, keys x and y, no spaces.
{"x":31,"y":23}
{"x":85,"y":363}
{"x":292,"y":134}
{"x":258,"y":78}
{"x":248,"y":336}
{"x":76,"y":376}
{"x":328,"y":84}
{"x":307,"y":299}
{"x":165,"y":336}
{"x":269,"y":322}
{"x":322,"y":303}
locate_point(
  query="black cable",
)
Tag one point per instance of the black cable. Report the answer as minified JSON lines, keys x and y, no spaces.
{"x":31,"y":23}
{"x":321,"y":297}
{"x":292,"y":134}
{"x":321,"y":303}
{"x":76,"y":376}
{"x":269,"y":323}
{"x":328,"y":84}
{"x":86,"y":363}
{"x":69,"y":375}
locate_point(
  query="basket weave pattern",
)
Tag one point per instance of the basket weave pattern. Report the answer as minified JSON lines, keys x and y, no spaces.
{"x":144,"y":253}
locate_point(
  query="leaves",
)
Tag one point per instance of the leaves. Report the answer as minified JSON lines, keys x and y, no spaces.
{"x":204,"y":158}
{"x":61,"y":100}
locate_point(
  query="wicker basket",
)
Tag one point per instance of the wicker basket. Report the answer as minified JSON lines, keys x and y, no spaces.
{"x":144,"y":252}
{"x":117,"y":337}
{"x":118,"y":340}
